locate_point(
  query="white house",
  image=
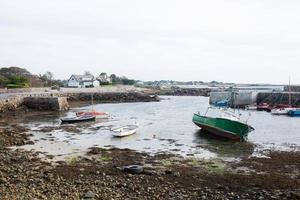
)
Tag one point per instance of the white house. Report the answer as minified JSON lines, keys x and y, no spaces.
{"x":82,"y":81}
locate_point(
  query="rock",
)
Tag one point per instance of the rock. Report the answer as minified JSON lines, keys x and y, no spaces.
{"x":176,"y":174}
{"x":89,"y":195}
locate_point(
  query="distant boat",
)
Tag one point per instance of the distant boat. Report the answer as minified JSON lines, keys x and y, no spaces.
{"x":92,"y":112}
{"x":251,"y":107}
{"x":98,"y":115}
{"x":281,"y":109}
{"x":227,"y":126}
{"x":77,"y":119}
{"x":222,"y":103}
{"x":124,"y":131}
{"x":264,"y":107}
{"x":294,"y":113}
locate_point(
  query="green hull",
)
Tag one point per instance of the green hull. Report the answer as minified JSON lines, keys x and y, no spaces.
{"x":231,"y":129}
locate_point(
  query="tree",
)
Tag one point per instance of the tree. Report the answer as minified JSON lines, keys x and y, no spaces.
{"x":49,"y":76}
{"x":115,"y":79}
{"x":3,"y":81}
{"x":87,"y":73}
{"x":18,"y":82}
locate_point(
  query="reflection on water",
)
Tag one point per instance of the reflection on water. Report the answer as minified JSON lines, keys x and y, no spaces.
{"x":164,"y":126}
{"x":222,"y":146}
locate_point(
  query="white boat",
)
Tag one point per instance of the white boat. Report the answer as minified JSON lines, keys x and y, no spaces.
{"x":124,"y":131}
{"x":284,"y":110}
{"x":281,"y":111}
{"x":251,"y":107}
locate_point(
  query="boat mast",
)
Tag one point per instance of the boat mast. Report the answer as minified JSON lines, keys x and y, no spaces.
{"x":290,"y":98}
{"x":92,"y":98}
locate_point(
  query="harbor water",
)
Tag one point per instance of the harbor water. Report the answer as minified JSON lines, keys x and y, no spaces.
{"x":164,"y":127}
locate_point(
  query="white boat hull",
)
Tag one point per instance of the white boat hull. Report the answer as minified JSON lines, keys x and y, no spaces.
{"x":281,"y":111}
{"x":102,"y":116}
{"x":124,"y":131}
{"x":251,"y":107}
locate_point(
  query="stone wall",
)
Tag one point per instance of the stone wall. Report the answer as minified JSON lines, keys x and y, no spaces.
{"x":46,"y":103}
{"x":11,"y":103}
{"x":184,"y":92}
{"x":113,"y":97}
{"x":292,"y":88}
{"x":59,"y":100}
{"x":278,"y":98}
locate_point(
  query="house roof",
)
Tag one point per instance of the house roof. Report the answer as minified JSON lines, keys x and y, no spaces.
{"x":83,"y":78}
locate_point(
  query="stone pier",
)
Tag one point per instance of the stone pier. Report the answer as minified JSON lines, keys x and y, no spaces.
{"x":46,"y":103}
{"x":12,"y":103}
{"x":273,"y":98}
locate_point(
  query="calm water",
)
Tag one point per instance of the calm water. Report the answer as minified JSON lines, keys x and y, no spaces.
{"x":164,"y":126}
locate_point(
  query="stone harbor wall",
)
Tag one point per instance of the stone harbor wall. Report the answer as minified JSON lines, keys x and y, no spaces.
{"x":46,"y":103}
{"x":12,"y":103}
{"x":184,"y":92}
{"x":59,"y":101}
{"x":112,"y":97}
{"x":278,"y":98}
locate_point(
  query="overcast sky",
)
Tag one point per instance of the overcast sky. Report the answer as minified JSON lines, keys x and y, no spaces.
{"x":225,"y":40}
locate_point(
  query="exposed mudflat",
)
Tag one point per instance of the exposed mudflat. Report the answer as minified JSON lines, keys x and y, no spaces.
{"x":99,"y":175}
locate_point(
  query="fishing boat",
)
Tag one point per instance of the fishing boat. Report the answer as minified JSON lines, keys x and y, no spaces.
{"x":124,"y":131}
{"x":251,"y":107}
{"x":294,"y":113}
{"x":222,"y":103}
{"x":228,"y":125}
{"x":98,"y":115}
{"x":264,"y":107}
{"x":283,"y":109}
{"x":78,"y":119}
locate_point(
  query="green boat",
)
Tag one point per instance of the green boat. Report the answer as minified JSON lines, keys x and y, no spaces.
{"x":226,"y":126}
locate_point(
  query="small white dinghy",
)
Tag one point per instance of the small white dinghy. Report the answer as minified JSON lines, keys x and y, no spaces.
{"x":124,"y":130}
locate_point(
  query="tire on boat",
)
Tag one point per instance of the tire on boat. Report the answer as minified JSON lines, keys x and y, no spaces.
{"x":133,"y":169}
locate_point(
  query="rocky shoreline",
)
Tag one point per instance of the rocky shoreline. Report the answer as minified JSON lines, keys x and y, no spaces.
{"x":99,"y":175}
{"x":184,"y":92}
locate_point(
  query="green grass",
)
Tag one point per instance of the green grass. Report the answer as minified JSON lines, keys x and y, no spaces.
{"x":72,"y":161}
{"x":105,"y":157}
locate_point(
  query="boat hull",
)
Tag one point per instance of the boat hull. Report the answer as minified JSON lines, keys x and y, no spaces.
{"x":123,"y":134}
{"x":77,"y":119}
{"x":222,"y":127}
{"x":294,"y":113}
{"x":124,"y":131}
{"x":281,"y":111}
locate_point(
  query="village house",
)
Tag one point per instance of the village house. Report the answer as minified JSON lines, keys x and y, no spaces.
{"x":81,"y":81}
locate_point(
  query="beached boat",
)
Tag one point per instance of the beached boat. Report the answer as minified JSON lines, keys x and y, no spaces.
{"x":294,"y":113}
{"x":124,"y":131}
{"x":98,"y":115}
{"x":227,"y":126}
{"x":77,"y":119}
